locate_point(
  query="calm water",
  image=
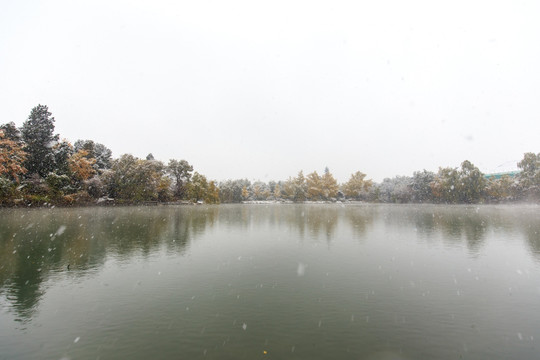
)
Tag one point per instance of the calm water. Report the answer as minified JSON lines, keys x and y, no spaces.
{"x":271,"y":282}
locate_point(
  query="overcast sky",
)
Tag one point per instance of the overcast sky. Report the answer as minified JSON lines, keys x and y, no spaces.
{"x":263,"y":89}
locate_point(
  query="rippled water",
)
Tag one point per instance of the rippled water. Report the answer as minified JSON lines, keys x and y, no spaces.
{"x":271,"y":282}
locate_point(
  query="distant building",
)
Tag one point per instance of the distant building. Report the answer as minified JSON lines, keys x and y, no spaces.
{"x":495,"y":176}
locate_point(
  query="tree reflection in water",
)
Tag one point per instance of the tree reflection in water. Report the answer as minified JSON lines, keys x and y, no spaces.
{"x":32,"y":249}
{"x":38,"y":244}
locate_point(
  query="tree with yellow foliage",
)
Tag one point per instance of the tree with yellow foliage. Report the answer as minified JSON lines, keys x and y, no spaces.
{"x":314,"y":186}
{"x":212,"y":193}
{"x":356,"y":185}
{"x":277,"y":192}
{"x":80,"y":166}
{"x":245,"y":193}
{"x":329,"y":185}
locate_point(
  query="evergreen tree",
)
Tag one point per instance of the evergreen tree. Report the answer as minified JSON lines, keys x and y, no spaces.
{"x":100,"y":152}
{"x":11,"y":132}
{"x":37,"y":133}
{"x":62,"y":152}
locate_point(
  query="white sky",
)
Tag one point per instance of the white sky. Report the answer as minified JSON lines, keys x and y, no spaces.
{"x":262,"y":89}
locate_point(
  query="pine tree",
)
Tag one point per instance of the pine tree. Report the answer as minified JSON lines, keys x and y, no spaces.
{"x":100,"y":152}
{"x":11,"y":132}
{"x":37,"y":133}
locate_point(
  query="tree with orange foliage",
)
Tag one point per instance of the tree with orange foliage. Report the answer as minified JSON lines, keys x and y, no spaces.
{"x":81,"y":166}
{"x":12,"y":158}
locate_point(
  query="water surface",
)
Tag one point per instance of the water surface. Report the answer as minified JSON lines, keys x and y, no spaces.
{"x":271,"y":282}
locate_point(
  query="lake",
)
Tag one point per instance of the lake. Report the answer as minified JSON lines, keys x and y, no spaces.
{"x":278,"y":281}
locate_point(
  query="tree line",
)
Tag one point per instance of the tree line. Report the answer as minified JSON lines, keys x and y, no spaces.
{"x":36,"y":167}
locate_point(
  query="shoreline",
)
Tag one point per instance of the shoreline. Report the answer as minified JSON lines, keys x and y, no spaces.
{"x":48,"y":205}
